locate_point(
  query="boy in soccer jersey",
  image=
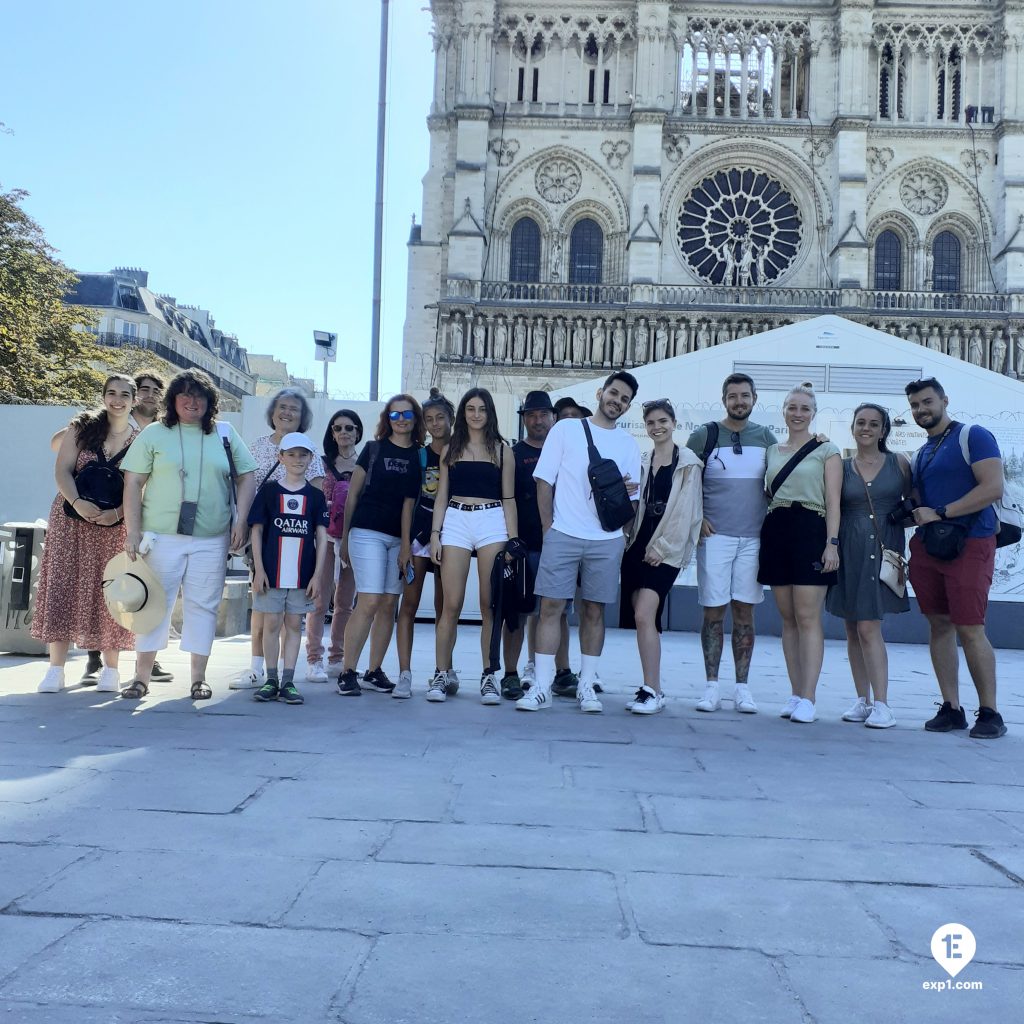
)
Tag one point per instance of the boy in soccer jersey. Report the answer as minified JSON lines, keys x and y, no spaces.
{"x":289,"y":546}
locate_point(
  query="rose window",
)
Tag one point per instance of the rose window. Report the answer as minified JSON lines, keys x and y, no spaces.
{"x":558,"y":180}
{"x":739,"y":227}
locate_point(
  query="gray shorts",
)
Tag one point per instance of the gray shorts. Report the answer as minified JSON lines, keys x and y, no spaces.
{"x":595,"y":561}
{"x":282,"y":601}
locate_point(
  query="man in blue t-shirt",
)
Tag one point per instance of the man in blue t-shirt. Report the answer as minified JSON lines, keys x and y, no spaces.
{"x":957,"y":475}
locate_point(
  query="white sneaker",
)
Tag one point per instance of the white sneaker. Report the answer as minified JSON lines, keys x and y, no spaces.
{"x":315,"y":672}
{"x":489,"y":692}
{"x":452,"y":686}
{"x":647,"y":702}
{"x":859,"y":712}
{"x":743,"y":701}
{"x":437,"y":688}
{"x":803,"y":712}
{"x":250,"y":679}
{"x":108,"y":681}
{"x":334,"y":669}
{"x":587,"y":699}
{"x":790,"y":704}
{"x":53,"y":681}
{"x":528,"y":677}
{"x":534,"y":699}
{"x":881,"y":717}
{"x":711,"y":701}
{"x":403,"y":688}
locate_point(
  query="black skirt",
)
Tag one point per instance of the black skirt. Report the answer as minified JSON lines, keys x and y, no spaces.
{"x":638,"y":575}
{"x":792,"y":540}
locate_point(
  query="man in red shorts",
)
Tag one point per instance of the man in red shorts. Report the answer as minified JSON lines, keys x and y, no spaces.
{"x":956,"y":476}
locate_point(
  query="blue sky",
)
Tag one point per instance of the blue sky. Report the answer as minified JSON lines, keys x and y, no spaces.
{"x":228,"y":147}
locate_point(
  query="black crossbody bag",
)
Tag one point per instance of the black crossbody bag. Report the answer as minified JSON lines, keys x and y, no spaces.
{"x":794,"y":460}
{"x":611,"y":499}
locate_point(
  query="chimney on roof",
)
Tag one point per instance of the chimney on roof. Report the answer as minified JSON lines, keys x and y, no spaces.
{"x":140,"y":277}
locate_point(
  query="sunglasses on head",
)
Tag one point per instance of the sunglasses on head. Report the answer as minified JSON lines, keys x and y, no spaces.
{"x":404,"y":414}
{"x":657,"y":403}
{"x":347,"y":427}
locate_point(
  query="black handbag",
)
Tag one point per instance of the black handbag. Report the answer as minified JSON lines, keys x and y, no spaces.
{"x":100,"y":482}
{"x":944,"y":539}
{"x":611,"y":499}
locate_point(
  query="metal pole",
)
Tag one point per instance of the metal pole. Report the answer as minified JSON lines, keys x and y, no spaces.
{"x":378,"y":220}
{"x":325,"y":377}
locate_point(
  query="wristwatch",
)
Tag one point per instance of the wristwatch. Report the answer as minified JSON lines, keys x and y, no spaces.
{"x":941,"y":511}
{"x":834,"y":540}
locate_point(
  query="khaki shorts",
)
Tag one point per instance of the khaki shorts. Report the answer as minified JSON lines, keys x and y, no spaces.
{"x":596,"y":562}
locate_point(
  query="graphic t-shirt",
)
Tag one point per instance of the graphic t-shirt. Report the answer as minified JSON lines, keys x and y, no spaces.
{"x":564,"y":462}
{"x":734,"y":501}
{"x":423,"y":517}
{"x":392,"y":475}
{"x":947,"y":477}
{"x":531,"y":532}
{"x":289,"y":520}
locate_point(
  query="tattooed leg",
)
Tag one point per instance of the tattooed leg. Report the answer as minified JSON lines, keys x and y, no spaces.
{"x":742,"y":639}
{"x":711,"y":635}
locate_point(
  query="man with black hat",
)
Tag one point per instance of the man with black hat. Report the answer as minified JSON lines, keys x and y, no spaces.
{"x":538,"y":418}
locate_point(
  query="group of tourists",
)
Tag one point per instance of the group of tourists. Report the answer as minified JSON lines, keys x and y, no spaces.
{"x":155,"y":493}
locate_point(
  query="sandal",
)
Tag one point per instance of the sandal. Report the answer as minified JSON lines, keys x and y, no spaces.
{"x":135,"y":691}
{"x":200,"y":691}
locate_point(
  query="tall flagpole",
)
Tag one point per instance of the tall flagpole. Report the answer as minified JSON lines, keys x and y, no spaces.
{"x":378,"y":218}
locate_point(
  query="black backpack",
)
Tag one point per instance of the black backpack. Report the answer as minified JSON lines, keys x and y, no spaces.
{"x":611,"y":499}
{"x":100,"y":482}
{"x":711,"y":442}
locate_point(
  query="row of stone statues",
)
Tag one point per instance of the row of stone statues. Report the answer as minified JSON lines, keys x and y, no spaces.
{"x":579,"y":341}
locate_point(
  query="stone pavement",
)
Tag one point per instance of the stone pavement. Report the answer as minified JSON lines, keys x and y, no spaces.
{"x":372,"y":861}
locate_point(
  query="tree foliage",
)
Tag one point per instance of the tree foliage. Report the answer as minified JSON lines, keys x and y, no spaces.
{"x":43,"y":358}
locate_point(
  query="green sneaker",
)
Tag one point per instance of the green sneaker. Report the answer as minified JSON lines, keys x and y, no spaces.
{"x":290,"y":695}
{"x":268,"y":691}
{"x":565,"y":684}
{"x":511,"y":687}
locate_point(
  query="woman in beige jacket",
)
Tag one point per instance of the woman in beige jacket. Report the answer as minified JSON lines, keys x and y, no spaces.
{"x":660,"y":541}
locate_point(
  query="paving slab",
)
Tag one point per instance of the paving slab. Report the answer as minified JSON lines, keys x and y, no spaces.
{"x":27,"y":868}
{"x":966,"y":796}
{"x":24,"y":939}
{"x":545,"y":806}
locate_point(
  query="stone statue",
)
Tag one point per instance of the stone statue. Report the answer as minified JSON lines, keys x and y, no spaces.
{"x":479,"y":338}
{"x":976,"y":348}
{"x":1020,"y":357}
{"x":746,"y":262}
{"x":725,"y":254}
{"x":914,"y":335}
{"x":519,"y":340}
{"x":556,"y":259}
{"x":762,"y":265}
{"x":998,"y":357}
{"x":558,"y":341}
{"x":661,"y":342}
{"x":703,"y":336}
{"x":723,"y":337}
{"x":743,"y":330}
{"x":618,"y":344}
{"x":579,"y":342}
{"x":457,"y":335}
{"x":539,"y":340}
{"x":597,"y":341}
{"x":500,"y":347}
{"x":956,"y":346}
{"x":934,"y":341}
{"x":679,"y":347}
{"x":640,"y":338}
{"x":929,"y":268}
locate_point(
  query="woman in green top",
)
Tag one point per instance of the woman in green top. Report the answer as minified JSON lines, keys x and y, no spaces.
{"x":799,"y":555}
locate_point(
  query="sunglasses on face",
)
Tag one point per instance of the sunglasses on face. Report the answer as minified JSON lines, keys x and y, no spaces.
{"x":347,"y":427}
{"x":405,"y":414}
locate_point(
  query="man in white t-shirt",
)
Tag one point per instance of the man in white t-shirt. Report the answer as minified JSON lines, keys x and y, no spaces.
{"x":575,"y":542}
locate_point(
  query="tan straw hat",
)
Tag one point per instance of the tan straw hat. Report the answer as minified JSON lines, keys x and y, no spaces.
{"x":134,"y":596}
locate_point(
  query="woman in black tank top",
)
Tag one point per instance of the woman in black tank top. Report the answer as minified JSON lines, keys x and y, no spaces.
{"x":475,"y":511}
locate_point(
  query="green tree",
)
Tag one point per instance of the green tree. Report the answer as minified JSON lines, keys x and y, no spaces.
{"x":43,"y":357}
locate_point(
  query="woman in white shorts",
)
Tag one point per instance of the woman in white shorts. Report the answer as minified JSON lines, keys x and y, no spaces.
{"x":475,"y":510}
{"x":438,"y":416}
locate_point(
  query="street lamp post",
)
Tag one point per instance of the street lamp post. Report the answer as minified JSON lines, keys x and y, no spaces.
{"x":378,"y":220}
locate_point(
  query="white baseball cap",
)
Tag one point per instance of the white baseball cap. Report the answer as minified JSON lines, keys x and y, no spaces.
{"x":296,"y":440}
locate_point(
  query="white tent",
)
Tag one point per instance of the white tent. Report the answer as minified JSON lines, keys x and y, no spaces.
{"x":847,"y":363}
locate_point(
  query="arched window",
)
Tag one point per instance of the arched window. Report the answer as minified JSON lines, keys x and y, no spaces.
{"x":524,"y":261}
{"x":586,"y":247}
{"x":946,"y":262}
{"x":888,"y":261}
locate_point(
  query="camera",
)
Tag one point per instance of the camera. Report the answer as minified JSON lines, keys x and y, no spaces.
{"x":655,"y":509}
{"x":903,"y":515}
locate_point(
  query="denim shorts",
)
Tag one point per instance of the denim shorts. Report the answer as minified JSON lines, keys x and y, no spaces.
{"x":374,"y":558}
{"x":282,"y":601}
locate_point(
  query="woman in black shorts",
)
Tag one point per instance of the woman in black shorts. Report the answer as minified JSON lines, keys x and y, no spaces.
{"x":659,"y":543}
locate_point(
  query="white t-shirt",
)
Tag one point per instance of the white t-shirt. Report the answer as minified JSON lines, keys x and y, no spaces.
{"x":564,"y":462}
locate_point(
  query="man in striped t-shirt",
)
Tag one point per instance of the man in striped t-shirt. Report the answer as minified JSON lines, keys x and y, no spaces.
{"x":734,"y":452}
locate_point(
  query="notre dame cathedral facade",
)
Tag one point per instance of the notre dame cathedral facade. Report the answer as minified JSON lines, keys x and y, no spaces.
{"x":613,"y":182}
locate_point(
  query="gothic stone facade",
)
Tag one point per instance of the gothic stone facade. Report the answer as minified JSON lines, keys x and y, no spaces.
{"x":612,"y":183}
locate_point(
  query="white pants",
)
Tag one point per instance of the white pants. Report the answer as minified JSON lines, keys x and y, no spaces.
{"x":198,"y":566}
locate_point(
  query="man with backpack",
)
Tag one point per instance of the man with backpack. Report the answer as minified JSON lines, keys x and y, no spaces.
{"x":957,"y":477}
{"x":593,"y":463}
{"x":734,"y":452}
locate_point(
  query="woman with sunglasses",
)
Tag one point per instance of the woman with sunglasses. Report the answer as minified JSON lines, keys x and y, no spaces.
{"x":344,"y":432}
{"x":875,"y":482}
{"x":438,"y":416}
{"x":475,"y":510}
{"x":376,"y":537}
{"x":659,"y":542}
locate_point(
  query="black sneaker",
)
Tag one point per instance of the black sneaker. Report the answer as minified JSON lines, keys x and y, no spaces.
{"x":348,"y":684}
{"x":160,"y":675}
{"x":511,"y":687}
{"x":375,"y":679}
{"x":565,"y":683}
{"x":947,"y":719}
{"x":290,"y":695}
{"x":267,"y":692}
{"x":93,"y":667}
{"x":989,"y":725}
